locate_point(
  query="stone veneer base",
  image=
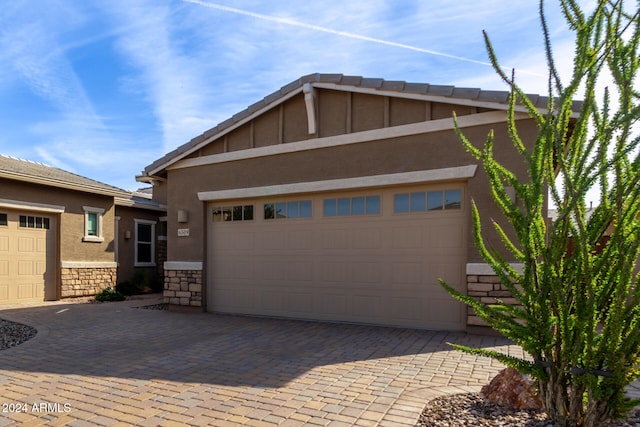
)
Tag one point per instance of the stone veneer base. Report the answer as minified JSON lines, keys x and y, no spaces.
{"x":86,"y":281}
{"x":183,"y":288}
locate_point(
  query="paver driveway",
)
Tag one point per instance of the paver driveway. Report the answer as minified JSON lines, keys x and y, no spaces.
{"x":112,"y":364}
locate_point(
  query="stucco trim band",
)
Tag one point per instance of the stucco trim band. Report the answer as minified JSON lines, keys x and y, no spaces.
{"x":183,"y":265}
{"x":429,"y":126}
{"x":88,"y":264}
{"x":30,"y":206}
{"x":433,"y":175}
{"x":482,"y":269}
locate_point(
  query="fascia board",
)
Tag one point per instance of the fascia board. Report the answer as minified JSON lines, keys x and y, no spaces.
{"x":386,"y":180}
{"x":426,"y":97}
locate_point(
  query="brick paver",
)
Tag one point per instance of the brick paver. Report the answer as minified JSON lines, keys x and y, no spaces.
{"x":112,"y":364}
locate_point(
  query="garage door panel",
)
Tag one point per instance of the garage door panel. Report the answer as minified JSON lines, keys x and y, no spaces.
{"x":380,"y":269}
{"x":446,"y":236}
{"x":331,"y":304}
{"x":368,"y":307}
{"x":269,"y":241}
{"x":333,"y":271}
{"x":272,"y":270}
{"x":367,"y":239}
{"x":300,"y":239}
{"x":299,"y":271}
{"x":407,"y":308}
{"x":407,"y":272}
{"x":367,"y":272}
{"x":407,"y":238}
{"x":272,"y":301}
{"x":27,"y":257}
{"x":26,"y":244}
{"x":243,"y":241}
{"x":335,"y":239}
{"x":299,"y":303}
{"x":441,"y":311}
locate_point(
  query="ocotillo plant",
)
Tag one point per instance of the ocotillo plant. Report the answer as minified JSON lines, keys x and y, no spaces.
{"x":578,"y":293}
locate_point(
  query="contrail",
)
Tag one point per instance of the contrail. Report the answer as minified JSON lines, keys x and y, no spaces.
{"x":330,"y":31}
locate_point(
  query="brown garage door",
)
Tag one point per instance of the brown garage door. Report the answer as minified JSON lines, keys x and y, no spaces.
{"x":367,"y":257}
{"x":27,"y":256}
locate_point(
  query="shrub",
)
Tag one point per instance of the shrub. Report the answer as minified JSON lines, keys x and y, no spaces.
{"x":109,"y":294}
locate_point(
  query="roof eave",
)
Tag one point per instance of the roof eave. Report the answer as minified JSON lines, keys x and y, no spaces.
{"x":62,"y":184}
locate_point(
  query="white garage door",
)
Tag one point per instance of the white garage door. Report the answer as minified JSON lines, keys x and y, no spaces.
{"x":365,"y":257}
{"x":27,"y":256}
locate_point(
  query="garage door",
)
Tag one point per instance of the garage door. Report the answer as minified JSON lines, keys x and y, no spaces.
{"x":365,"y":257}
{"x":27,"y":256}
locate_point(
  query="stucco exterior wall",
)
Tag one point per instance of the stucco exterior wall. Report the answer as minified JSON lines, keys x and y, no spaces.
{"x":404,"y":154}
{"x":71,"y":221}
{"x":127,"y":244}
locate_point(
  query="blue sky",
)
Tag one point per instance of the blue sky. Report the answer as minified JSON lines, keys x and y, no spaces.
{"x":102,"y":88}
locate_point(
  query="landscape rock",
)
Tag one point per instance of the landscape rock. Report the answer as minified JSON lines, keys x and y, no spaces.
{"x":512,"y":390}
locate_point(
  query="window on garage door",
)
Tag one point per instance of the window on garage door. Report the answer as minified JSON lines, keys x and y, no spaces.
{"x":28,"y":221}
{"x":423,"y":201}
{"x":290,"y":209}
{"x":233,"y":213}
{"x":350,"y":206}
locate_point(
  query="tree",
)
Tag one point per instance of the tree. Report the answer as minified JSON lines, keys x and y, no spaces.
{"x":578,"y":294}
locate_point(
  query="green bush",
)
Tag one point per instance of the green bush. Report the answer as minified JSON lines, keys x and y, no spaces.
{"x":127,"y":288}
{"x":109,"y":294}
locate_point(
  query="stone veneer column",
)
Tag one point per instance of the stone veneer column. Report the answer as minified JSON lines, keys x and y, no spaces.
{"x":80,"y":279}
{"x":485,"y":286}
{"x":183,"y":284}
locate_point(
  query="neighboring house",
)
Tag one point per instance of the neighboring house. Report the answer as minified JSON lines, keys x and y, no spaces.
{"x":58,"y":233}
{"x":336,"y":198}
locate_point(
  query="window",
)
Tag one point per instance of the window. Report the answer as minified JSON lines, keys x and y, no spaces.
{"x":30,"y":221}
{"x":145,"y":243}
{"x":93,"y":224}
{"x":291,"y":209}
{"x":233,"y":213}
{"x":3,"y":219}
{"x":352,"y":206}
{"x":427,"y":201}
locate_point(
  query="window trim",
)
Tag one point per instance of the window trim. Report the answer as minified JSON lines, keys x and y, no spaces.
{"x":99,"y":212}
{"x":138,"y":263}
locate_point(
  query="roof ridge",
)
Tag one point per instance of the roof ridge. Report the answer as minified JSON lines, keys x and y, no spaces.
{"x":25,"y":160}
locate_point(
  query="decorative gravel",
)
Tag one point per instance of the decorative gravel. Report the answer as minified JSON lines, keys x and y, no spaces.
{"x":470,"y":409}
{"x":12,"y":334}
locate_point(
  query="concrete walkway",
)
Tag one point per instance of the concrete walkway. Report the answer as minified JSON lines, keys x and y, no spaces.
{"x":113,"y":364}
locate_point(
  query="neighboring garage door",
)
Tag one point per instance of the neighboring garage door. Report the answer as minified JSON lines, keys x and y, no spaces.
{"x":366,"y":257}
{"x":27,"y":256}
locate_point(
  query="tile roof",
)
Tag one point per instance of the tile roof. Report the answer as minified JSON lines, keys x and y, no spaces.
{"x":39,"y":173}
{"x":449,"y":93}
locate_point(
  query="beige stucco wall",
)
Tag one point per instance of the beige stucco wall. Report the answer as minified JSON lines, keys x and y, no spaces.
{"x":71,"y":221}
{"x":417,"y":152}
{"x":126,"y":246}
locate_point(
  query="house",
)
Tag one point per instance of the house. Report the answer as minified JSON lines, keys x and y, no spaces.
{"x":59,"y":233}
{"x":336,"y":198}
